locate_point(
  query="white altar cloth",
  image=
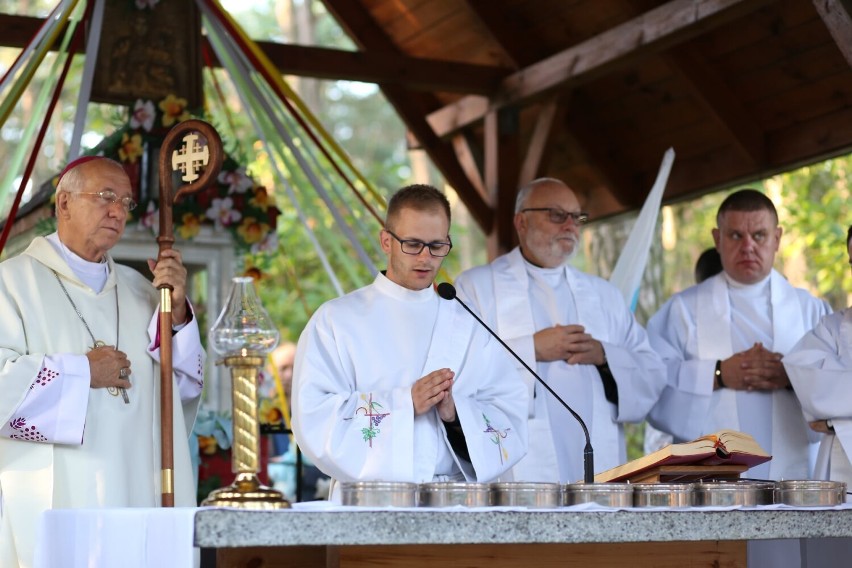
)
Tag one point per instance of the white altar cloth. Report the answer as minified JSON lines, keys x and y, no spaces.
{"x":110,"y":538}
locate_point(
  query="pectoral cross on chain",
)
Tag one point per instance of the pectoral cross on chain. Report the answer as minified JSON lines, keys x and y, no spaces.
{"x":112,"y":390}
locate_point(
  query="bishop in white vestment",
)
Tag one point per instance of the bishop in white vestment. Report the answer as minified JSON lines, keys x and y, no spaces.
{"x":68,"y":438}
{"x":530,"y":291}
{"x":722,"y":341}
{"x":393,"y":383}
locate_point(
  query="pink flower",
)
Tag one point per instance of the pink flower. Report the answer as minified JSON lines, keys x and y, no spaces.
{"x":236,"y":180}
{"x":222,"y":212}
{"x":150,"y":219}
{"x":143,"y":115}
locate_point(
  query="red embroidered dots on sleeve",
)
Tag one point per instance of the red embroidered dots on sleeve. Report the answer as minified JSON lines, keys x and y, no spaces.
{"x":44,"y":377}
{"x":23,"y":432}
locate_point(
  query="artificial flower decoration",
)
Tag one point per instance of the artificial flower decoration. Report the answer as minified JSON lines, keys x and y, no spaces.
{"x":174,"y":110}
{"x":269,"y":412}
{"x":236,"y":180}
{"x":131,"y":148}
{"x":143,"y":115}
{"x":190,"y":225}
{"x":251,"y":230}
{"x":269,"y":243}
{"x":150,"y":219}
{"x":222,"y":212}
{"x":261,"y":199}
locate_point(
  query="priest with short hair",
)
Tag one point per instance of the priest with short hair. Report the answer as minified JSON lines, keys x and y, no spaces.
{"x":723,"y":340}
{"x":393,"y":383}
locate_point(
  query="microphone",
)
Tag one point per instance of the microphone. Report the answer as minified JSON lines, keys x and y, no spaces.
{"x":448,"y":292}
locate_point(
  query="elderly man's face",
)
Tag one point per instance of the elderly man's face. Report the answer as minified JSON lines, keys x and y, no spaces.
{"x":747,"y":242}
{"x":89,"y":225}
{"x":543,"y":242}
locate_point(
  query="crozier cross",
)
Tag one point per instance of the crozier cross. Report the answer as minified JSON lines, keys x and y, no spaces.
{"x":190,"y":158}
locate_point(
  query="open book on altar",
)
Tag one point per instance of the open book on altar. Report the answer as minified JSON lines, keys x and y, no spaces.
{"x":722,"y":448}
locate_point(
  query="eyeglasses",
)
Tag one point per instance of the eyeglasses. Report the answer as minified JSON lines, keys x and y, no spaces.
{"x":558,"y":216}
{"x":108,"y":197}
{"x":413,"y":246}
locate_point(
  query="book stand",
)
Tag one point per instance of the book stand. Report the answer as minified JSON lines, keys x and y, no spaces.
{"x":686,"y":473}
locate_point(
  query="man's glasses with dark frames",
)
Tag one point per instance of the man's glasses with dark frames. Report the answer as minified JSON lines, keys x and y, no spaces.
{"x":559,"y":216}
{"x":414,"y":247}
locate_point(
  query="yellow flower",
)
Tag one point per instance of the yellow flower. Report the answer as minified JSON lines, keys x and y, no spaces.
{"x":190,"y":226}
{"x":174,"y":110}
{"x":269,"y":413}
{"x":207,"y":445}
{"x":251,"y":230}
{"x":261,"y":199}
{"x":131,"y":148}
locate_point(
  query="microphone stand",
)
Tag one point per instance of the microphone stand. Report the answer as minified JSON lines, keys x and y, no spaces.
{"x":448,"y":292}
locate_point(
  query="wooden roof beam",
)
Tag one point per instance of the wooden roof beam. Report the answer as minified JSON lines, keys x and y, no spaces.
{"x":504,"y":30}
{"x":835,"y":15}
{"x":709,"y":89}
{"x":656,"y":30}
{"x":338,"y":64}
{"x":540,"y":143}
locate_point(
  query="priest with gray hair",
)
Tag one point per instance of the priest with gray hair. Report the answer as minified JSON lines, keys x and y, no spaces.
{"x":574,"y":329}
{"x":79,"y":365}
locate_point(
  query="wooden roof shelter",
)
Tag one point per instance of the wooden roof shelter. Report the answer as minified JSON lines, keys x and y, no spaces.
{"x":499,"y":92}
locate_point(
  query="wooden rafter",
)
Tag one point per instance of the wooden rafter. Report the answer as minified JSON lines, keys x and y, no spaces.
{"x":540,"y":141}
{"x":323,"y":63}
{"x":654,"y":31}
{"x":502,"y":151}
{"x":504,"y":32}
{"x":835,"y":14}
{"x":710,"y":90}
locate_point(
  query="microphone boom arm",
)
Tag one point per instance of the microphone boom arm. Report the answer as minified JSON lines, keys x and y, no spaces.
{"x":448,"y":292}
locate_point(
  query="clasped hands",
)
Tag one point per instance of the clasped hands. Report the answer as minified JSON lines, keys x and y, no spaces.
{"x":756,"y":369}
{"x":569,"y":343}
{"x":435,"y":390}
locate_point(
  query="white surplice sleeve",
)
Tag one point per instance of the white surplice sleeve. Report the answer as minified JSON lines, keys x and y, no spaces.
{"x":187,"y":354}
{"x":685,"y":401}
{"x":53,"y":408}
{"x":491,"y":404}
{"x":636,"y":367}
{"x":350,"y":432}
{"x":820,"y":369}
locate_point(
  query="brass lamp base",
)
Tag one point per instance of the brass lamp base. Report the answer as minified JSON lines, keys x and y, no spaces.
{"x":246,"y":492}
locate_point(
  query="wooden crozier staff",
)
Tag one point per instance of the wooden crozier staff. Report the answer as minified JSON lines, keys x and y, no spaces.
{"x":189,"y":159}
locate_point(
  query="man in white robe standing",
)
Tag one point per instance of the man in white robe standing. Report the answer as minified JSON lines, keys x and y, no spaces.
{"x":393,"y":383}
{"x":79,"y":373}
{"x":574,"y":329}
{"x":723,"y":340}
{"x":820,"y":369}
